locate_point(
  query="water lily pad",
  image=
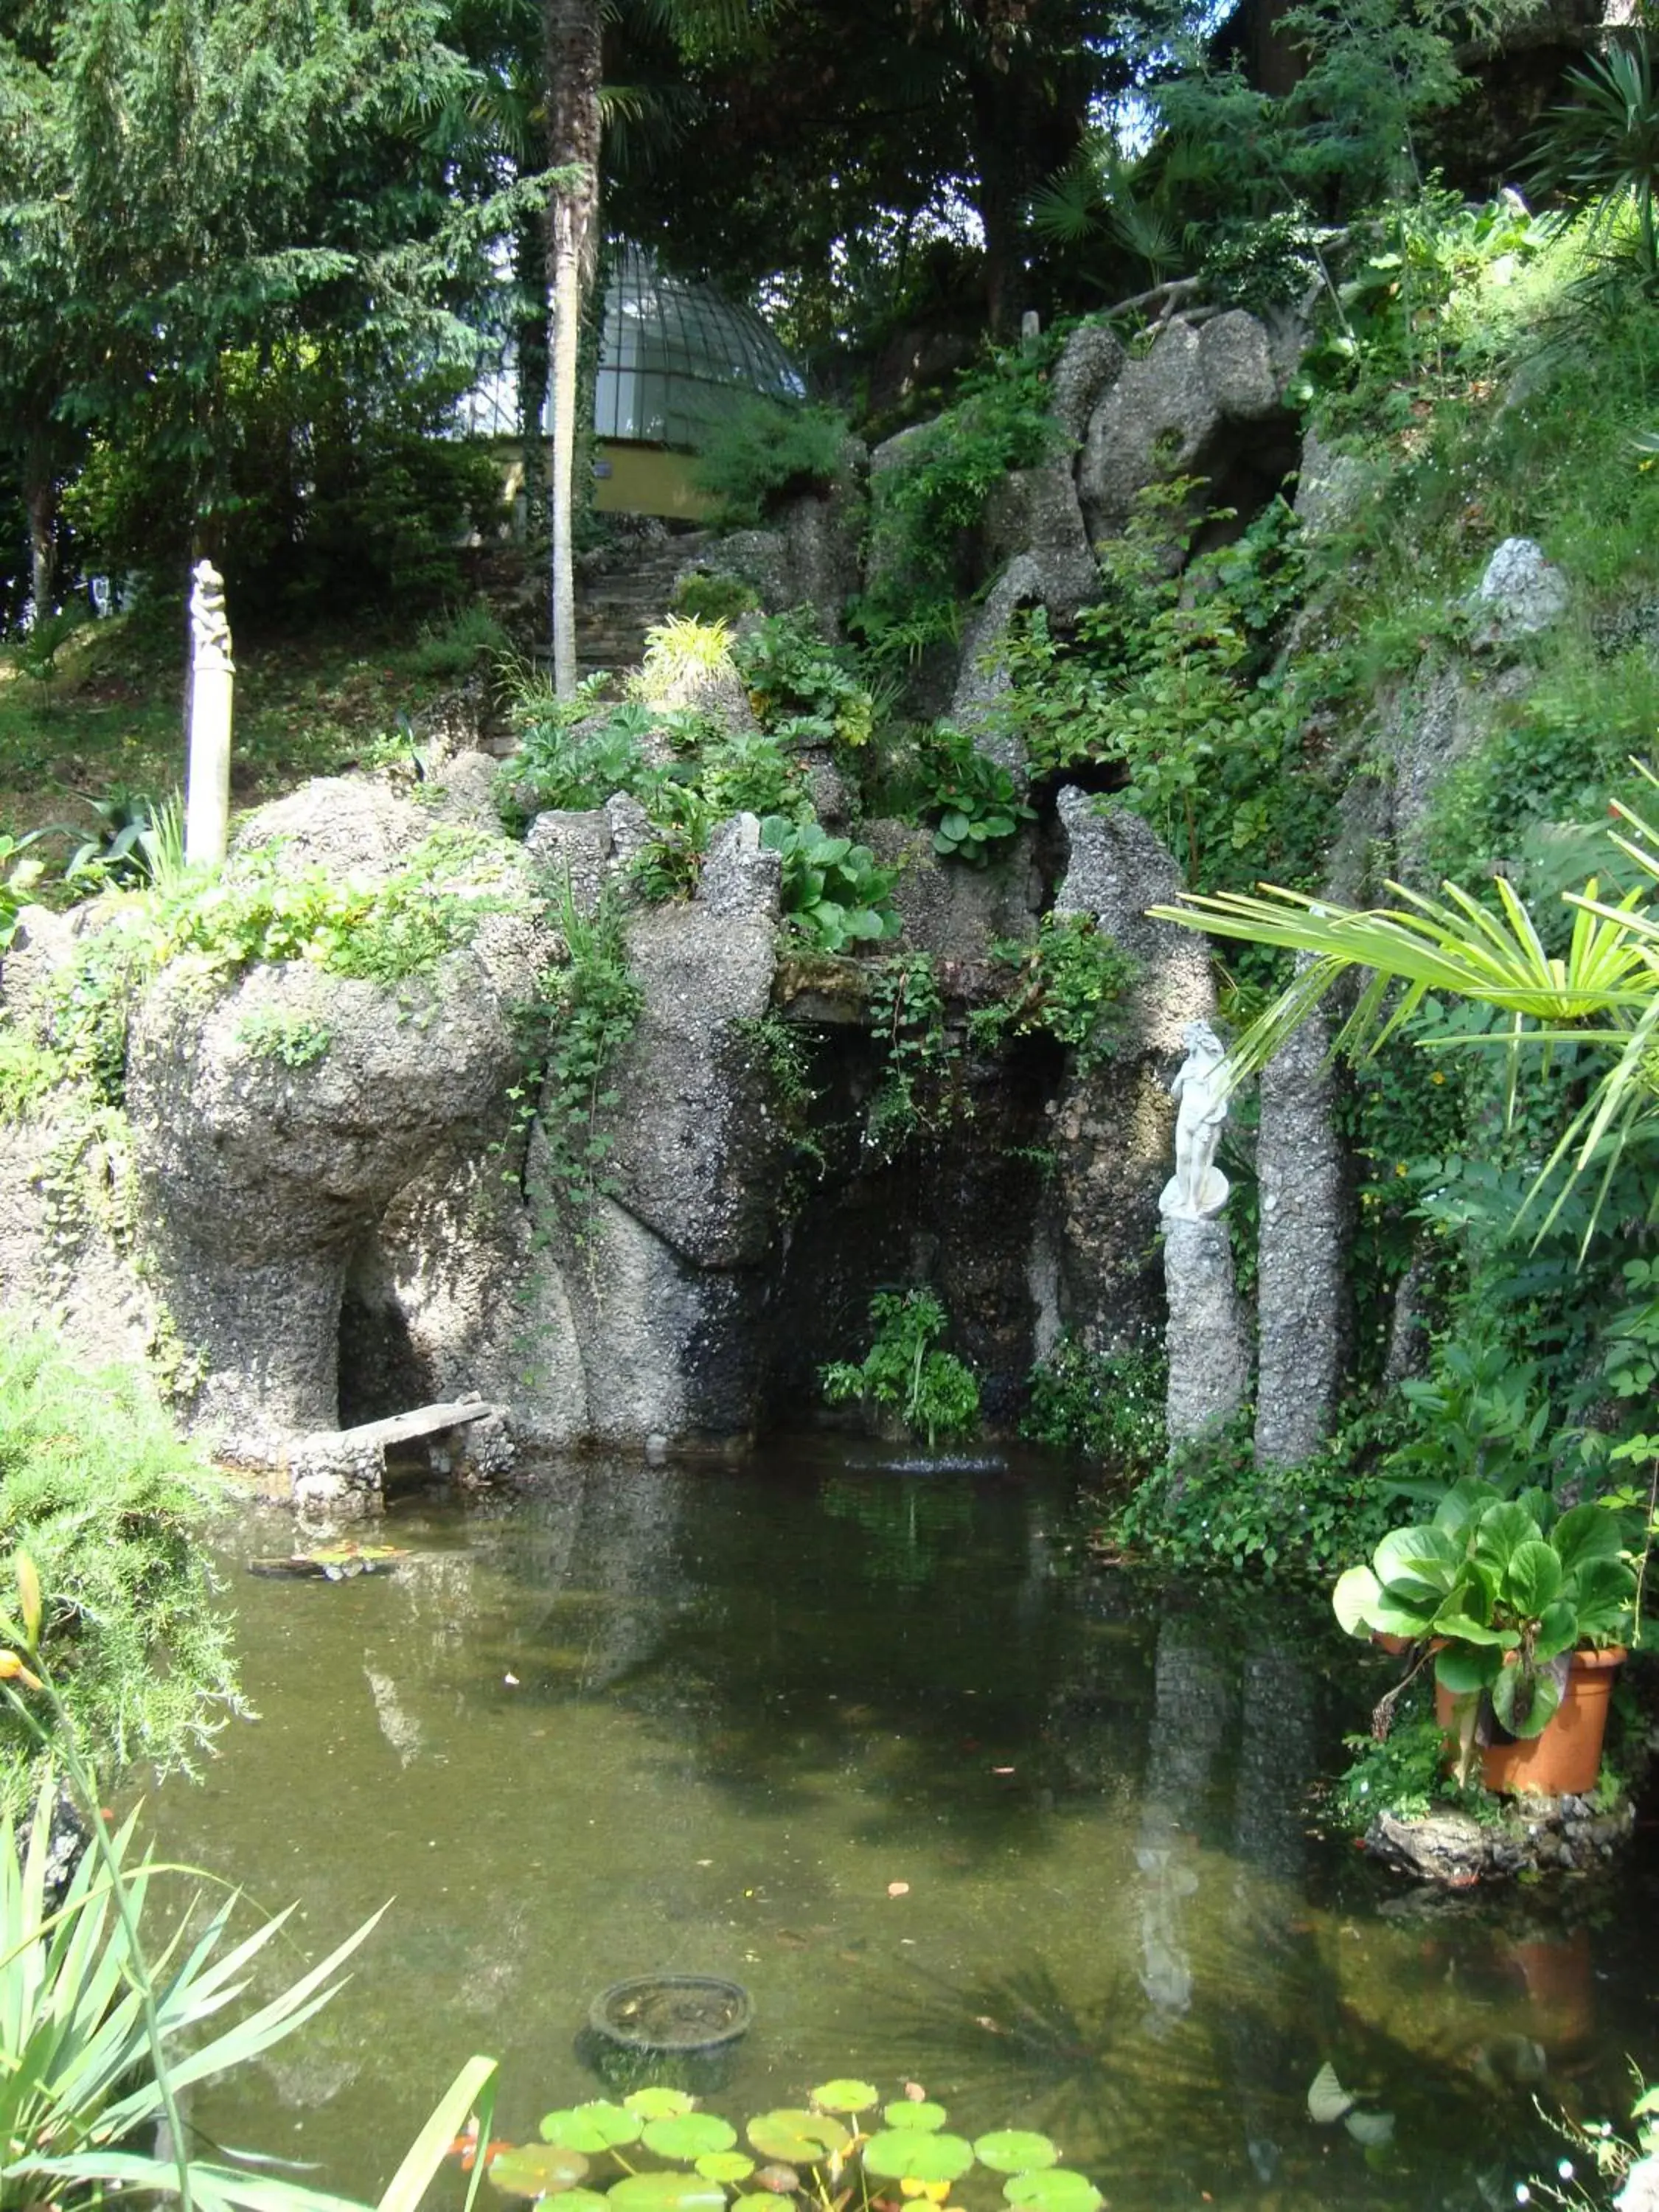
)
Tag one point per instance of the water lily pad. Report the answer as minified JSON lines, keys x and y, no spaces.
{"x":755,"y":2202}
{"x":800,"y":2138}
{"x":922,"y":2114}
{"x":844,"y":2096}
{"x":1016,"y":2150}
{"x":726,"y":2166}
{"x":538,"y":2170}
{"x":596,"y":2126}
{"x":1056,"y":2189}
{"x":689,"y":2136}
{"x":913,"y":2155}
{"x":666,"y":2192}
{"x":657,"y":2103}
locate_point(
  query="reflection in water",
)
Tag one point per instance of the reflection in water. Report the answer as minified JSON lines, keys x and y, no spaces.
{"x":952,"y":1810}
{"x":1278,"y":1756}
{"x":1190,"y":1719}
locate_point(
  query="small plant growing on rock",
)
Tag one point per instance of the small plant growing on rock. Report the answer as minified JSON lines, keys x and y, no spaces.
{"x":1071,"y":982}
{"x":836,"y":894}
{"x":278,"y":1033}
{"x":974,"y":805}
{"x":934,"y":1392}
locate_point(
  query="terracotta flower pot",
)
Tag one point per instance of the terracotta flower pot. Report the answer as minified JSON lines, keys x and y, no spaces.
{"x":1565,"y":1759}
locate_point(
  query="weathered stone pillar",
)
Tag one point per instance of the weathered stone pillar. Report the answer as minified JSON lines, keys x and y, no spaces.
{"x":1112,"y":1127}
{"x":213,"y":675}
{"x":1301,"y":1284}
{"x":1209,"y":1354}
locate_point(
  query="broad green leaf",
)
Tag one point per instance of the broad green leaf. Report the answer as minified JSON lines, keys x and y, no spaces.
{"x":1558,"y":1630}
{"x":666,"y":2192}
{"x":1465,"y":1631}
{"x":1354,"y":1599}
{"x":1604,"y":1590}
{"x":657,"y":2103}
{"x":914,"y":2112}
{"x":1015,"y":2150}
{"x":798,"y":2137}
{"x":596,"y":2126}
{"x":1057,"y":2189}
{"x":1463,"y":1505}
{"x":1588,"y":1532}
{"x":689,"y":2136}
{"x":1429,"y":1557}
{"x":1463,"y":1671}
{"x":1526,"y":1699}
{"x":844,"y":2096}
{"x":1534,"y":1577}
{"x":541,"y":2169}
{"x":1501,"y":1532}
{"x":913,"y":2155}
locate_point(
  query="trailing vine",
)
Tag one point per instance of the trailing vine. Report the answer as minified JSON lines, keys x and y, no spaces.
{"x":592,"y":1005}
{"x":907,"y":1020}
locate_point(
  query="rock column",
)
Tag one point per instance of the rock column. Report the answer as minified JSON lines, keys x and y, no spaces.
{"x":1209,"y":1356}
{"x":1301,"y":1283}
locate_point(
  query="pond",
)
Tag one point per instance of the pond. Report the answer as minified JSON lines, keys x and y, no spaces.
{"x":957,"y":1807}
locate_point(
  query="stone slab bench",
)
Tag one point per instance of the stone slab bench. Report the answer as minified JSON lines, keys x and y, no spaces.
{"x":344,"y":1469}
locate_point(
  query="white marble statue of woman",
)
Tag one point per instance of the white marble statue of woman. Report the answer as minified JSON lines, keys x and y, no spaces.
{"x":1198,"y":1188}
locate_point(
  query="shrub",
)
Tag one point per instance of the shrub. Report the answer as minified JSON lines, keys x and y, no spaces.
{"x":761,"y":451}
{"x":1106,"y":1405}
{"x":1212,"y":1508}
{"x":708,"y":595}
{"x":803,"y":688}
{"x":111,"y":1506}
{"x":454,"y":645}
{"x":932,"y":1392}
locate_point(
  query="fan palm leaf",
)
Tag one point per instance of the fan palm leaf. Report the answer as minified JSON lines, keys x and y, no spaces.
{"x":1601,"y":994}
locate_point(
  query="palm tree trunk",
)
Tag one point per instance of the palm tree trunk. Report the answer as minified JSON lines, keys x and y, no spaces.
{"x":41,"y":502}
{"x":572,"y":41}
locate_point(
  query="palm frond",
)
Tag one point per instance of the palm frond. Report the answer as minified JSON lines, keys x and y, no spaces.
{"x":1601,"y":993}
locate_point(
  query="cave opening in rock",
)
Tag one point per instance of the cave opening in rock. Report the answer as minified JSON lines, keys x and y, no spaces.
{"x":382,"y":1372}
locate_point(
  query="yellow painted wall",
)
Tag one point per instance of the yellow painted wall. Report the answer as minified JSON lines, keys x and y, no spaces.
{"x":628,"y":479}
{"x":646,"y":480}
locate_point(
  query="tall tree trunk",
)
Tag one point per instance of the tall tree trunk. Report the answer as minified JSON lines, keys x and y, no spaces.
{"x":572,"y":38}
{"x":999,"y":198}
{"x":530,"y":349}
{"x":40,"y":504}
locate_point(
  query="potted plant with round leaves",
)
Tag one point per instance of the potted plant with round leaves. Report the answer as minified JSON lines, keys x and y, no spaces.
{"x":1526,"y":1611}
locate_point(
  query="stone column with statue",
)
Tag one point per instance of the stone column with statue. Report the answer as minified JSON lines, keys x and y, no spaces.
{"x":213,"y":674}
{"x":1208,"y":1346}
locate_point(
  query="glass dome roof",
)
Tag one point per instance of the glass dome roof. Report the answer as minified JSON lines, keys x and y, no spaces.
{"x":674,"y":353}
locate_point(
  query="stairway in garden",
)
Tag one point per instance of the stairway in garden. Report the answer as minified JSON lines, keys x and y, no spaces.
{"x":615,"y":610}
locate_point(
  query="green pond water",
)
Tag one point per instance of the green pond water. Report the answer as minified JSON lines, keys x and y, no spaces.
{"x":955,"y":1808}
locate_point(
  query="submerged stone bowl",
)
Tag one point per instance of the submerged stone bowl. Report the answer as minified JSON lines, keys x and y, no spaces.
{"x":672,"y":2012}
